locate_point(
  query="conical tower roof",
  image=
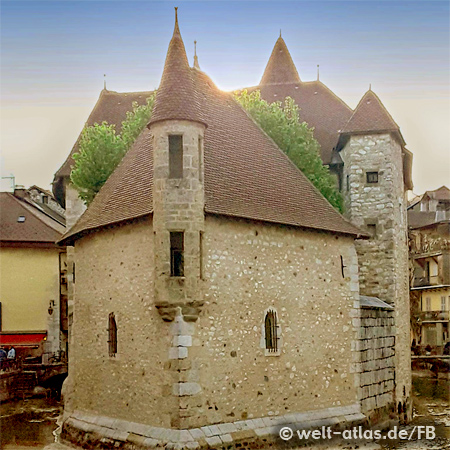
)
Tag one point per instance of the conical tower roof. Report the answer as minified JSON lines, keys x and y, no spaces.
{"x":176,"y":98}
{"x":280,"y":68}
{"x":370,"y":115}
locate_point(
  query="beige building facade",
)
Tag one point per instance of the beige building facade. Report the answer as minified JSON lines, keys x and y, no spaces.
{"x":219,"y":297}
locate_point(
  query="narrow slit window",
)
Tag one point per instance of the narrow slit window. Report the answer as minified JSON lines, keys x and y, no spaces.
{"x":200,"y":159}
{"x":372,"y":177}
{"x":112,"y":335}
{"x":176,"y":254}
{"x":201,"y":255}
{"x":343,"y":266}
{"x":348,"y":183}
{"x":175,"y":156}
{"x":271,"y":332}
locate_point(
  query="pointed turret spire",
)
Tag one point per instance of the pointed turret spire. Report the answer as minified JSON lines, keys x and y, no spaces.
{"x":280,"y":68}
{"x":196,"y":64}
{"x":176,"y":29}
{"x":176,"y":98}
{"x":370,"y":116}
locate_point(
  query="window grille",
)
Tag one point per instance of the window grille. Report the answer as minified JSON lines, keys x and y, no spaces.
{"x":372,"y":177}
{"x":112,"y":335}
{"x":271,"y":332}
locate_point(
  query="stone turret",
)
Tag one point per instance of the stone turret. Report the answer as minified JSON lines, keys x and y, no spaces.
{"x":177,"y":130}
{"x":374,"y":187}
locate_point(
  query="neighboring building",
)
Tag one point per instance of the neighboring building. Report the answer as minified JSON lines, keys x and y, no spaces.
{"x":429,"y":234}
{"x":32,"y":293}
{"x":211,"y":276}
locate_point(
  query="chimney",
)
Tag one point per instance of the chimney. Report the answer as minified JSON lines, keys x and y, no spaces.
{"x":20,"y":191}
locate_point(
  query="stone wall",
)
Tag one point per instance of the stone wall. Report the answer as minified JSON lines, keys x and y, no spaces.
{"x":376,"y":347}
{"x":383,"y":259}
{"x":115,"y":273}
{"x":215,"y":370}
{"x":250,"y":267}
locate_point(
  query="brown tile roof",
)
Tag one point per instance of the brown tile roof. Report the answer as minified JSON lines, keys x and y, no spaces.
{"x":370,"y":115}
{"x":246,"y":175}
{"x":176,"y":97}
{"x":442,"y":193}
{"x":111,"y":107}
{"x":37,"y":226}
{"x":280,"y":68}
{"x":419,"y":219}
{"x":319,"y":107}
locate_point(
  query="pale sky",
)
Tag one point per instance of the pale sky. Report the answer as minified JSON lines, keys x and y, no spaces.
{"x":54,"y":55}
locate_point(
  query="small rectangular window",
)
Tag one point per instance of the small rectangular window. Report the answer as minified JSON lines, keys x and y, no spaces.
{"x":372,"y":228}
{"x":176,"y":254}
{"x":372,"y":177}
{"x":348,"y":183}
{"x":428,"y":303}
{"x":443,"y":305}
{"x":175,"y":156}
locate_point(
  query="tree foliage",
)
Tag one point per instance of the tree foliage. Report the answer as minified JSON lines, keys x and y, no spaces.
{"x":282,"y":123}
{"x":101,"y":149}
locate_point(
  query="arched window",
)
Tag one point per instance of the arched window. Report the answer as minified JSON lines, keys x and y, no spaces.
{"x":112,"y":335}
{"x":271,"y":331}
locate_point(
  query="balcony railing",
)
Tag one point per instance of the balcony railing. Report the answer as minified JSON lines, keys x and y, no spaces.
{"x":433,"y":315}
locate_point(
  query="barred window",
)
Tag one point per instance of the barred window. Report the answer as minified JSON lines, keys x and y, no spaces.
{"x":372,"y":177}
{"x":112,"y":335}
{"x":271,"y":331}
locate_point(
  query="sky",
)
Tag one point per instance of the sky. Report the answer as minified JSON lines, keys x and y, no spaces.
{"x":54,"y":56}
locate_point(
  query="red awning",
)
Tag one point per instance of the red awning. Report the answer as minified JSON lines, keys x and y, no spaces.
{"x":22,"y":339}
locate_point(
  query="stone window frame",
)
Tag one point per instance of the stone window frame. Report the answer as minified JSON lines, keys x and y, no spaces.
{"x":373,"y":223}
{"x":269,"y":351}
{"x":171,"y":167}
{"x":112,"y":340}
{"x":370,"y":172}
{"x":183,"y":250}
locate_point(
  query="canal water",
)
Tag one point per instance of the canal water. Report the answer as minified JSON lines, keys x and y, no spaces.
{"x":30,"y":424}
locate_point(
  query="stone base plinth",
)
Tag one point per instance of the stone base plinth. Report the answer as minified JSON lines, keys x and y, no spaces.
{"x":90,"y":431}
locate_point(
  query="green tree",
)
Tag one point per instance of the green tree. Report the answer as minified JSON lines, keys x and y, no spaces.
{"x":101,"y":149}
{"x":282,"y":123}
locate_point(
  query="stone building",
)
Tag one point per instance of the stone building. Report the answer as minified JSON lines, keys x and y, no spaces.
{"x":219,"y":278}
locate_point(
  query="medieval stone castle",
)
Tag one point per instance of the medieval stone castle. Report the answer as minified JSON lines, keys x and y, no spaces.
{"x":218,"y":295}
